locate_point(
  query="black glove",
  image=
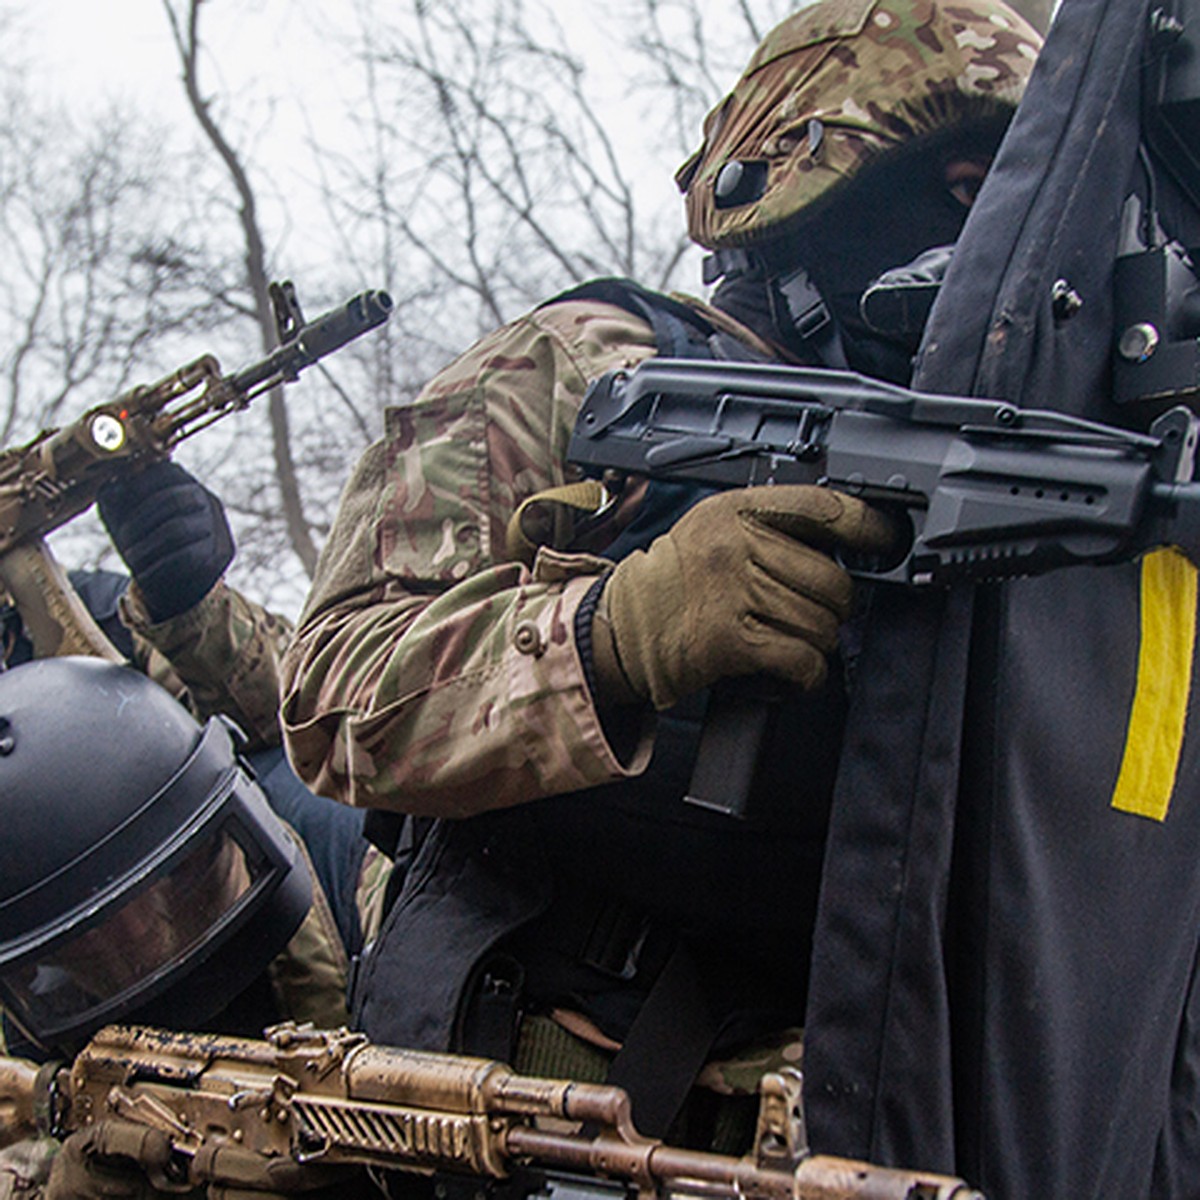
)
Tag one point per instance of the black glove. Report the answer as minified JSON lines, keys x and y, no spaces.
{"x":172,"y":533}
{"x":897,"y":304}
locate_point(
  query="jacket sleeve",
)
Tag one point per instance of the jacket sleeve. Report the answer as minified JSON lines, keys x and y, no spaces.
{"x":221,"y":656}
{"x":427,"y":674}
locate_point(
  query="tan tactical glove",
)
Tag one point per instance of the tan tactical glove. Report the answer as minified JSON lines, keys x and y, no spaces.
{"x":232,"y":1172}
{"x":741,"y":584}
{"x":108,"y":1161}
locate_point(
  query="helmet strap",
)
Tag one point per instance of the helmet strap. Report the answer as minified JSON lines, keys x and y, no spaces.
{"x":802,"y":315}
{"x":800,"y":319}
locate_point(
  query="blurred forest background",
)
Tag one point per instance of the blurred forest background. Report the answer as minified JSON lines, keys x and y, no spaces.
{"x":472,"y":157}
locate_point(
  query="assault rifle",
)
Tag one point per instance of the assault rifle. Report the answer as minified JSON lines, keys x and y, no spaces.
{"x":57,"y":476}
{"x":322,"y":1099}
{"x":987,"y":490}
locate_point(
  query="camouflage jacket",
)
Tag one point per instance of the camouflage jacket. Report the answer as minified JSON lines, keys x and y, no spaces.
{"x":221,"y":656}
{"x":427,"y":673}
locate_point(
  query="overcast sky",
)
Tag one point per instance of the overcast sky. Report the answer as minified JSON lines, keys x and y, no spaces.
{"x":105,"y":50}
{"x":124,"y":47}
{"x":271,"y":58}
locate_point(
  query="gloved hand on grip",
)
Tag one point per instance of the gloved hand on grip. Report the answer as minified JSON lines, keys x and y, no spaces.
{"x":109,"y":1161}
{"x":232,"y":1172}
{"x":742,"y":584}
{"x":172,"y":533}
{"x":122,"y":1160}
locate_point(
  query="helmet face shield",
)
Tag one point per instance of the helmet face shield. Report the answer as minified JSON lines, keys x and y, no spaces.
{"x":101,"y":962}
{"x":156,"y":897}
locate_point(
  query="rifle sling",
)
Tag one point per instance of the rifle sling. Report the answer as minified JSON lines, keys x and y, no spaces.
{"x":667,"y":1044}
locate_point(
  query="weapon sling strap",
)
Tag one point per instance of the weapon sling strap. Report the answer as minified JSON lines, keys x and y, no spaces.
{"x":667,"y":1044}
{"x":679,"y":331}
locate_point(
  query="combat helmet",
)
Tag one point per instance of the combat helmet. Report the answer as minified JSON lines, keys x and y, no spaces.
{"x":835,"y":87}
{"x":142,"y":874}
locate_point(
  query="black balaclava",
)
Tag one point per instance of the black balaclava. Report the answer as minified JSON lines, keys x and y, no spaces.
{"x":893,"y":212}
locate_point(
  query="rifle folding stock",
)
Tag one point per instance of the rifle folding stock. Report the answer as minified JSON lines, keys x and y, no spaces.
{"x":326,"y":1098}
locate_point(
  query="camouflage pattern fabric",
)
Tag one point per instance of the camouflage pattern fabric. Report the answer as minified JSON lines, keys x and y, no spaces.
{"x":25,"y":1168}
{"x":552,"y":1045}
{"x":372,"y":888}
{"x":738,"y":1074}
{"x":840,"y":83}
{"x":426,"y":673}
{"x":221,"y":656}
{"x":309,"y":977}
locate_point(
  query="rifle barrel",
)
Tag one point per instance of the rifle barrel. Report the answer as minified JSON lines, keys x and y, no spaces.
{"x":329,"y":332}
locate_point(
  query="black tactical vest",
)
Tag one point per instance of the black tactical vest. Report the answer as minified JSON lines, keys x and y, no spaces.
{"x":590,"y":899}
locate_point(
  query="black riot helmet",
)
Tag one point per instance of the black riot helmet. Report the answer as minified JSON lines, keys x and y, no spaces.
{"x":142,"y":874}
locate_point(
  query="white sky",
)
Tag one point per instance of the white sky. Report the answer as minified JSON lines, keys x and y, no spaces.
{"x":123,"y":47}
{"x":269,"y":61}
{"x":96,"y":51}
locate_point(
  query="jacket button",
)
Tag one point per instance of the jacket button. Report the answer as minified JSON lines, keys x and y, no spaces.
{"x":528,"y":639}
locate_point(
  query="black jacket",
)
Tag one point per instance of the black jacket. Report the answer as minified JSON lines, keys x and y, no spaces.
{"x":1004,"y":972}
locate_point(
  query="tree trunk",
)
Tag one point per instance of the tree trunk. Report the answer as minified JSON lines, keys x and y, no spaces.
{"x":298,"y":528}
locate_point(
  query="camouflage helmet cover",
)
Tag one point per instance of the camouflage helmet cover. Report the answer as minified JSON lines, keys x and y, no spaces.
{"x":838,"y":84}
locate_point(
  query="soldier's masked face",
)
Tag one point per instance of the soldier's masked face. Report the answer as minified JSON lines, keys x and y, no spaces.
{"x":883,"y":220}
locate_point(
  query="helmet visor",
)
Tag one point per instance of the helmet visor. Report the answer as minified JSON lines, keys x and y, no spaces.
{"x":95,"y":964}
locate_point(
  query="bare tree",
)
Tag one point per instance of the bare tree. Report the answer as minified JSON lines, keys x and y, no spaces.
{"x":96,"y":276}
{"x":491,"y":163}
{"x":186,"y":31}
{"x":686,"y":54}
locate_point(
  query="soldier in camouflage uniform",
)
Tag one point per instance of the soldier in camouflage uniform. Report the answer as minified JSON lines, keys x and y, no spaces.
{"x":475,"y":653}
{"x":217,"y":652}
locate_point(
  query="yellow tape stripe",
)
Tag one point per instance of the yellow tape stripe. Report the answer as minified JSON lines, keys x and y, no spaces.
{"x":1164,"y":683}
